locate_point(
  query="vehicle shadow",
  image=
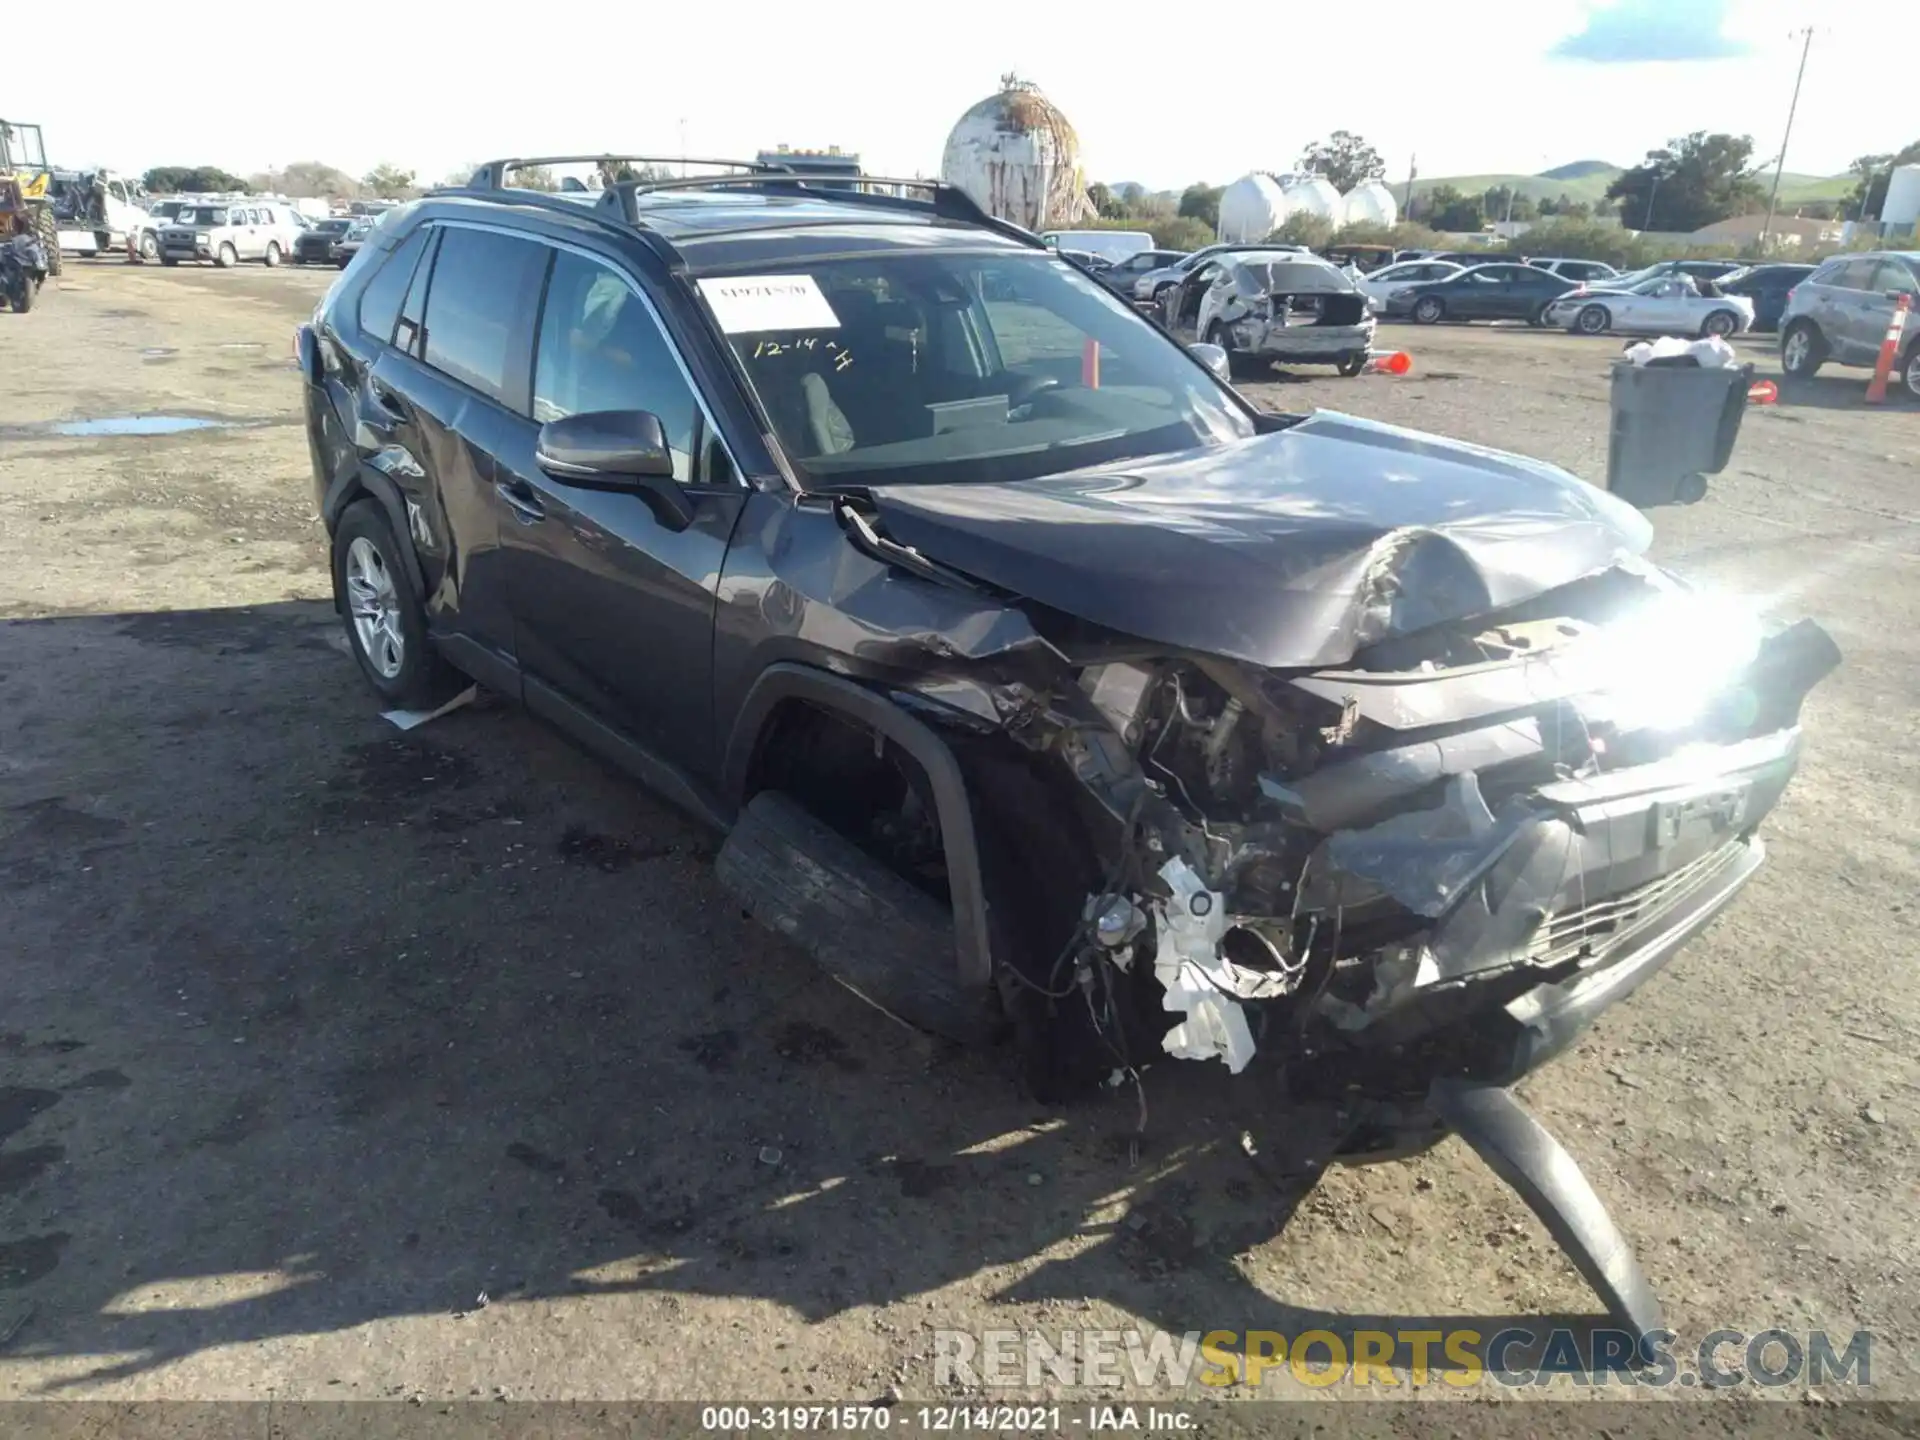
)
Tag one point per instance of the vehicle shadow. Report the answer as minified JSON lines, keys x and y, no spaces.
{"x":313,"y":1023}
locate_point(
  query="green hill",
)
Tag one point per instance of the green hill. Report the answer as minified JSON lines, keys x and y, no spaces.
{"x":1592,"y":184}
{"x":1579,"y":170}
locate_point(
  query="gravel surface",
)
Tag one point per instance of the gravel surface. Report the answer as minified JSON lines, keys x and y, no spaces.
{"x":337,"y":1062}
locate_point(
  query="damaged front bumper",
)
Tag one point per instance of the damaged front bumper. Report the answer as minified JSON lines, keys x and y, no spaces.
{"x":1563,"y":894}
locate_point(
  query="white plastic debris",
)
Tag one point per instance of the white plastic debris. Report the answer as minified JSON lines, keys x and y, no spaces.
{"x":409,"y":719}
{"x":1189,"y":966}
{"x":1710,"y":352}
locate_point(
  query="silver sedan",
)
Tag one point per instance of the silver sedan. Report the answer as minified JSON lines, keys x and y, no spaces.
{"x":1664,"y":305}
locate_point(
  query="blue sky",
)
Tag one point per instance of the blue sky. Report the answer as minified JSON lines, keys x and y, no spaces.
{"x":1157,"y":96}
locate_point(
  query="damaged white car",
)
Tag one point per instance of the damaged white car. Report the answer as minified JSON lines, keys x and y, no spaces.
{"x":1262,"y":308}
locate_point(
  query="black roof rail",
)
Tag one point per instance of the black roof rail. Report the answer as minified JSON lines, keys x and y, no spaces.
{"x":944,"y":201}
{"x":493,"y":174}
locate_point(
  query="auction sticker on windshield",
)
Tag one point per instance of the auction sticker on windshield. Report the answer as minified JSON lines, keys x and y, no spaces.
{"x":746,"y":303}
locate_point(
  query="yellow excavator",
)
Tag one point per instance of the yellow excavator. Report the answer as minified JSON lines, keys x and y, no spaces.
{"x":26,"y":196}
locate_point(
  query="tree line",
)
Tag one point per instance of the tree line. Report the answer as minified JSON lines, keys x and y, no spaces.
{"x":305,"y":178}
{"x":1691,"y":182}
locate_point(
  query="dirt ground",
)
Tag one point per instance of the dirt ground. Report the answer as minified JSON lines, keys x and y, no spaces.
{"x":345,"y":1063}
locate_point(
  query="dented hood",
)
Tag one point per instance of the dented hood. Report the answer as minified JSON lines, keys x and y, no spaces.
{"x":1288,"y":550}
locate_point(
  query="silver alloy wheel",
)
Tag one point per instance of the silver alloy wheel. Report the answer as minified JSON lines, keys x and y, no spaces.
{"x":374,"y":606}
{"x":1719,"y":323}
{"x":1913,"y":373}
{"x":1593,"y":320}
{"x":1798,"y":347}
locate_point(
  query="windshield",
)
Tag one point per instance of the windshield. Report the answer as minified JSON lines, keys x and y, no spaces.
{"x":962,"y":367}
{"x":332,"y":227}
{"x":165,"y":209}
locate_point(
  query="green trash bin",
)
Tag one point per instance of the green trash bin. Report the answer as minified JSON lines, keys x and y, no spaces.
{"x":1672,"y":426}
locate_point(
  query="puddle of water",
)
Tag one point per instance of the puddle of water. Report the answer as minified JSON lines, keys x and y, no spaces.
{"x":123,"y":425}
{"x":158,"y":352}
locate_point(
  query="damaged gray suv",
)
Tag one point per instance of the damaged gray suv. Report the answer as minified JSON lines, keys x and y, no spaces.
{"x":1041,"y":685}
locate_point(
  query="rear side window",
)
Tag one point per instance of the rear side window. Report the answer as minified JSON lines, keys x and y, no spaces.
{"x":380,"y":301}
{"x":1858,"y":274}
{"x":476,"y":308}
{"x":1892,"y":275}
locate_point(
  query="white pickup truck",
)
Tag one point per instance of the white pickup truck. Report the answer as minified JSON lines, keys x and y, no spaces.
{"x":84,"y":230}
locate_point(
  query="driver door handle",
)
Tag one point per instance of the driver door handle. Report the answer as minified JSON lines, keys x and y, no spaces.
{"x":521,"y":499}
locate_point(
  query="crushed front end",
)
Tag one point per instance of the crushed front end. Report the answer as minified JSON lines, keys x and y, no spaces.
{"x":1439,"y":859}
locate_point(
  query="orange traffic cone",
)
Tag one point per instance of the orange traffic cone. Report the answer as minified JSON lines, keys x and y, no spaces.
{"x":1889,"y":347}
{"x":1389,"y":362}
{"x":1763,"y":392}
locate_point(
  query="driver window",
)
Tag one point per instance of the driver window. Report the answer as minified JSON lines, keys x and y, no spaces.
{"x":601,"y":349}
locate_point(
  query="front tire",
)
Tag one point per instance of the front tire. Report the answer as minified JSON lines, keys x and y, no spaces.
{"x":1910,"y":372}
{"x":227,"y":258}
{"x":148,"y":247}
{"x":49,"y":231}
{"x":1801,"y":351}
{"x":1721,"y":323}
{"x":386,"y":622}
{"x":1428,"y":310}
{"x":1593,"y":320}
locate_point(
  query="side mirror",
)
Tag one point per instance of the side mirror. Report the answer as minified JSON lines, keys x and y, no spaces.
{"x":1214,"y":358}
{"x":617,"y":450}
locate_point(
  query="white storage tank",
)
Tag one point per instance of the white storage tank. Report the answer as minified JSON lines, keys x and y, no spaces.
{"x":1019,"y":159}
{"x":1370,"y":203}
{"x":1314,"y":195}
{"x":1251,"y":209}
{"x":1901,"y":208}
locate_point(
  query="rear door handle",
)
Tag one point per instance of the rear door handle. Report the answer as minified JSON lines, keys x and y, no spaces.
{"x":520,"y":498}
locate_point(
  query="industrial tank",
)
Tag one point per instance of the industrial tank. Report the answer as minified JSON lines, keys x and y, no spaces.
{"x":1251,"y":209}
{"x":1312,"y":195}
{"x":1370,"y":203}
{"x":1901,"y":209}
{"x":1019,"y":159}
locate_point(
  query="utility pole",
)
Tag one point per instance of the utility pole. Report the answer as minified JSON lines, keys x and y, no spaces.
{"x":1406,"y":200}
{"x":1806,"y":44}
{"x":1652,"y":191}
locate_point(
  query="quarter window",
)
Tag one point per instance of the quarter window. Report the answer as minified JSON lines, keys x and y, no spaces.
{"x":482,"y":281}
{"x":601,"y":349}
{"x":380,"y":301}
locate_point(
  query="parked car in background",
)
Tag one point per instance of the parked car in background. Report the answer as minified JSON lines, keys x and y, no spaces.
{"x":1587,"y":272}
{"x":1364,"y":258}
{"x":1481,"y":292}
{"x":1120,"y":275}
{"x":1153,"y":285}
{"x":225,"y":233}
{"x":1767,"y":286}
{"x":314,"y":245}
{"x":1842,"y":310}
{"x":1695,"y":269}
{"x":346,"y":246}
{"x":1263,"y":306}
{"x":1385,"y":281}
{"x":1112,"y":245}
{"x":1665,"y":305}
